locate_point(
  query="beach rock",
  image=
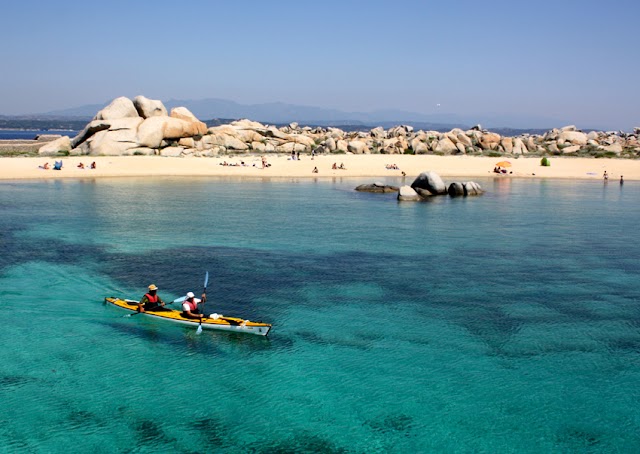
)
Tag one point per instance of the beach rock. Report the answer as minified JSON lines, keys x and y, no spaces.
{"x":472,"y":188}
{"x":519,"y":147}
{"x":342,"y":145}
{"x":172,"y":152}
{"x":291,"y":147}
{"x":148,"y":108}
{"x":187,"y":142}
{"x":424,"y":193}
{"x":155,"y":129}
{"x":117,"y":140}
{"x":446,"y":146}
{"x":572,"y":137}
{"x":553,"y":147}
{"x":464,"y":139}
{"x":183,"y":113}
{"x":421,"y":148}
{"x":468,"y":188}
{"x":53,"y":148}
{"x":151,"y":132}
{"x":118,"y":108}
{"x":571,"y":149}
{"x":507,"y":144}
{"x":301,"y":139}
{"x":613,"y":148}
{"x":455,"y":189}
{"x":431,"y":182}
{"x":89,"y":130}
{"x":377,"y":188}
{"x":378,"y":133}
{"x":229,"y":142}
{"x":407,"y":193}
{"x":357,"y":147}
{"x":46,"y":137}
{"x":490,"y":141}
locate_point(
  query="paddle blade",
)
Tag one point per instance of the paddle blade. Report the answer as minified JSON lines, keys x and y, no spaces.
{"x":199,"y":329}
{"x":206,"y":279}
{"x":179,"y":300}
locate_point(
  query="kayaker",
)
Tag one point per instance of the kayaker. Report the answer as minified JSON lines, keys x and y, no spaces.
{"x":190,"y":306}
{"x":151,"y":301}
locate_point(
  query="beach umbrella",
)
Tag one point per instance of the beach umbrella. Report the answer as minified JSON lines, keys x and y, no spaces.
{"x":503,"y":164}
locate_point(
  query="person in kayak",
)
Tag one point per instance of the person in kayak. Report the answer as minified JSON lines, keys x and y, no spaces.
{"x":190,"y":306}
{"x":151,"y":301}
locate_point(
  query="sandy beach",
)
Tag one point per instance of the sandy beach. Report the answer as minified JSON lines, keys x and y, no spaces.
{"x":282,"y":166}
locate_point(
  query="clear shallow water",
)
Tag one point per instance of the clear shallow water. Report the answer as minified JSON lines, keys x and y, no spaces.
{"x":504,"y":323}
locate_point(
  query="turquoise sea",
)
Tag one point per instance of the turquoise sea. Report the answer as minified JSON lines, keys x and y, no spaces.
{"x":506,"y":323}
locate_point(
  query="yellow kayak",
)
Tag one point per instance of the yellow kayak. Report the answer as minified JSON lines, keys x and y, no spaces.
{"x":214,"y":321}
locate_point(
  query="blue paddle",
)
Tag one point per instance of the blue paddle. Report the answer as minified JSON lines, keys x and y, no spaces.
{"x":204,"y":298}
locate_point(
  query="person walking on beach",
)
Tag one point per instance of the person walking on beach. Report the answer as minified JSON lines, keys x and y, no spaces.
{"x":151,"y":301}
{"x":190,"y":306}
{"x":605,"y":176}
{"x":621,"y":180}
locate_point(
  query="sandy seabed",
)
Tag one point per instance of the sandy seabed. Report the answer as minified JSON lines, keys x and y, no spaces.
{"x":374,"y":166}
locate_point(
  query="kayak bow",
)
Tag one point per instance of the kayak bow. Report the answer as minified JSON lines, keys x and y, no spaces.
{"x":214,"y":321}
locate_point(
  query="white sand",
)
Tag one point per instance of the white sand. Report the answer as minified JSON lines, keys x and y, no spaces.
{"x":356,"y":166}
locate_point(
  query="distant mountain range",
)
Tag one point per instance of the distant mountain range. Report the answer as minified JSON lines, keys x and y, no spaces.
{"x":281,"y":113}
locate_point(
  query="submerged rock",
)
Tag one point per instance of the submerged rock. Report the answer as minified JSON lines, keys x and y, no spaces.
{"x":464,"y":189}
{"x":377,"y":187}
{"x":408,"y":194}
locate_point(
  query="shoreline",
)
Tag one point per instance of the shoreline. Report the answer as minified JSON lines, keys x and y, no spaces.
{"x":281,"y":166}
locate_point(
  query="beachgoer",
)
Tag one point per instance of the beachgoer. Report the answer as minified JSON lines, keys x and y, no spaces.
{"x":81,"y":166}
{"x":57,"y":165}
{"x":342,"y":166}
{"x":315,"y":170}
{"x":190,"y":306}
{"x":404,"y":174}
{"x":334,"y":166}
{"x":45,"y":166}
{"x":605,"y":176}
{"x":621,"y":180}
{"x":151,"y":301}
{"x":93,"y":165}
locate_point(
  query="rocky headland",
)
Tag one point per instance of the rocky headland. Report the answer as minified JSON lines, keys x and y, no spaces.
{"x":144,"y":127}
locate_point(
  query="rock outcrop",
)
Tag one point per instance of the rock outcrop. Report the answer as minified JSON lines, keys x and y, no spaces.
{"x":431,"y":182}
{"x":143,"y":126}
{"x":377,"y":187}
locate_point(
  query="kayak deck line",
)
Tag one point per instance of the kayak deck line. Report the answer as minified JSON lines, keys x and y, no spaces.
{"x":219,"y":322}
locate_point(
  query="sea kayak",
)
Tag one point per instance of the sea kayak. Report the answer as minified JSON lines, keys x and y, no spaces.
{"x":214,"y":321}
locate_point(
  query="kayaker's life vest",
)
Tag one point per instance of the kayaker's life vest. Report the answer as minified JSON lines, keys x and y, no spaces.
{"x":153,"y":299}
{"x":192,"y":305}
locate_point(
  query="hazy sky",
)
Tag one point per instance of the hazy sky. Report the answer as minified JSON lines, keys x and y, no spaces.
{"x":577,"y":61}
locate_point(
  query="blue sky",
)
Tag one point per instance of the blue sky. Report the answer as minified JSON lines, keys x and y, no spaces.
{"x":572,"y":61}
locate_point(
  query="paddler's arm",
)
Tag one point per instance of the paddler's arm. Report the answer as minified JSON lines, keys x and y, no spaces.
{"x":142,"y":302}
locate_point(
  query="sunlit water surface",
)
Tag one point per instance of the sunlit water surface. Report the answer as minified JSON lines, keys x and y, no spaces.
{"x":502,"y":323}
